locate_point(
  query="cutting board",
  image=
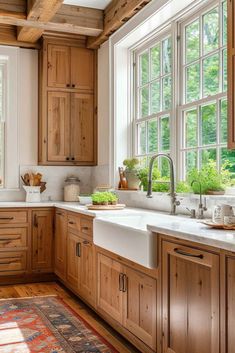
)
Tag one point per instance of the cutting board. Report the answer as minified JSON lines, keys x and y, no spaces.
{"x":106,"y":207}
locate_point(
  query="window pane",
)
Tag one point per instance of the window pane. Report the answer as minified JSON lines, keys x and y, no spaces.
{"x":192,"y":83}
{"x":228,"y":156}
{"x":208,"y":115}
{"x":155,"y":61}
{"x":211,"y":30}
{"x":165,"y":134}
{"x":191,"y":128}
{"x":225,"y":70}
{"x":191,"y":161}
{"x":152,"y":136}
{"x":144,"y":101}
{"x":155,"y":97}
{"x":207,"y":155}
{"x":192,"y":42}
{"x":223,"y":120}
{"x":166,"y":49}
{"x":211,"y":75}
{"x":144,"y":68}
{"x":165,"y":168}
{"x":224,"y":22}
{"x":141,"y":138}
{"x":167,"y":93}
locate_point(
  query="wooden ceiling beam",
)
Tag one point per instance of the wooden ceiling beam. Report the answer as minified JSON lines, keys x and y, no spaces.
{"x":38,"y":11}
{"x":8,"y":37}
{"x":115,"y":15}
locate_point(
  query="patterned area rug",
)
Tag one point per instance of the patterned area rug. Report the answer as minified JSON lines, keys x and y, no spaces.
{"x":46,"y":325}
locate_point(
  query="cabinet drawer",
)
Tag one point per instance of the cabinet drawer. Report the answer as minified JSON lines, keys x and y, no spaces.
{"x":13,"y":238}
{"x":86,"y":226}
{"x":74,"y":222}
{"x":11,"y":217}
{"x":12,"y":261}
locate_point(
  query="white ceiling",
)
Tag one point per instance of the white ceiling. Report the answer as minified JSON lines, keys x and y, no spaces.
{"x":96,"y":4}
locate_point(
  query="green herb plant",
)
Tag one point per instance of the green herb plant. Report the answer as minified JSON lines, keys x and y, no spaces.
{"x":131,"y":164}
{"x":104,"y":198}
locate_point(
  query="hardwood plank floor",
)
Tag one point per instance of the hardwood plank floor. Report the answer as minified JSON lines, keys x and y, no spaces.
{"x":53,"y":288}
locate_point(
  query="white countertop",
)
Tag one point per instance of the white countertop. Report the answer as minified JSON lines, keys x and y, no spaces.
{"x":149,"y":221}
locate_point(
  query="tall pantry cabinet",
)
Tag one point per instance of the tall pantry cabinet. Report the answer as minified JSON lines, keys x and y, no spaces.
{"x":67,"y":123}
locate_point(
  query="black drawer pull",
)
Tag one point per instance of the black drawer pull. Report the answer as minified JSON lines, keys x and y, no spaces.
{"x":6,"y":218}
{"x":85,"y":228}
{"x":184,"y":253}
{"x":86,"y":242}
{"x":71,"y":222}
{"x":78,"y":249}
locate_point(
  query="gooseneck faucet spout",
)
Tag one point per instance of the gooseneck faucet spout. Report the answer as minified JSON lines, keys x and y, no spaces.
{"x":174,"y":202}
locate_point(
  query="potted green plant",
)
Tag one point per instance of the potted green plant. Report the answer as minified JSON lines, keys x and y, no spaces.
{"x":156,"y":187}
{"x":212,"y":181}
{"x":131,"y":173}
{"x":104,"y":198}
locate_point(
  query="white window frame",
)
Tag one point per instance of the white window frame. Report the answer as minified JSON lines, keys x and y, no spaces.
{"x":10,"y":56}
{"x":183,"y":106}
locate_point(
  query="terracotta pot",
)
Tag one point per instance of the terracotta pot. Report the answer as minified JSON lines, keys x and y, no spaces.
{"x":215,"y":192}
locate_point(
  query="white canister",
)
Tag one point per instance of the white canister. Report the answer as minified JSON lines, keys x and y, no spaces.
{"x":221,"y":211}
{"x":32,"y":193}
{"x":71,"y":189}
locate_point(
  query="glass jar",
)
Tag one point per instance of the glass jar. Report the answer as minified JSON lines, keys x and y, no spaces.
{"x":71,"y":189}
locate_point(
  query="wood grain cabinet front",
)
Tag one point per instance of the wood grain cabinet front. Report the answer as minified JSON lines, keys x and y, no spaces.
{"x":60,"y":251}
{"x":42,"y":240}
{"x":190,"y":300}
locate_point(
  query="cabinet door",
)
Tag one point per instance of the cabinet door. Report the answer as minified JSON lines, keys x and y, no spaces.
{"x":190,"y":298}
{"x":58,"y":126}
{"x":140,"y":306}
{"x":86,"y":282}
{"x":60,"y":243}
{"x":42,"y":240}
{"x":231,"y":74}
{"x":230,"y":301}
{"x":82,"y":127}
{"x":73,"y":253}
{"x":58,"y":73}
{"x":110,"y":296}
{"x":82,"y":68}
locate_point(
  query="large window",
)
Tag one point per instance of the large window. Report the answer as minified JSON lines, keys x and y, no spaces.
{"x":3,"y":104}
{"x":199,"y":102}
{"x":154,"y":99}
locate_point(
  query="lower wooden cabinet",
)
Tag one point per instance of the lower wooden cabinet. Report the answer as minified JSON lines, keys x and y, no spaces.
{"x":190,"y":300}
{"x":60,"y":248}
{"x":86,"y":272}
{"x":230,"y":304}
{"x":73,"y":251}
{"x":129,"y":297}
{"x":42,"y":238}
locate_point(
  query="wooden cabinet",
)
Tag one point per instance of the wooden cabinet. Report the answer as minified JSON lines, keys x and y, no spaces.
{"x":82,"y":127}
{"x":140,"y":306}
{"x":86,"y":272}
{"x":58,"y":139}
{"x":67,"y":108}
{"x":73,"y":252}
{"x":129,"y":297}
{"x":110,"y":297}
{"x":231,"y":74}
{"x":229,"y":305}
{"x":190,"y":300}
{"x":58,"y":65}
{"x":60,"y":244}
{"x":42,"y":238}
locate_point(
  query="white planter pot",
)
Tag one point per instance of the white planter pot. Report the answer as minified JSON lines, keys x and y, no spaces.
{"x":32,"y":193}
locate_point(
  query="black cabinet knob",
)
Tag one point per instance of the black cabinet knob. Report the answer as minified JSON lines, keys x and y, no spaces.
{"x":67,"y":158}
{"x":73,"y":85}
{"x":68,"y":85}
{"x":73,"y":159}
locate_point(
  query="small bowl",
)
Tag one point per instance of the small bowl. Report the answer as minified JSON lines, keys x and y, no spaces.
{"x":85,"y":200}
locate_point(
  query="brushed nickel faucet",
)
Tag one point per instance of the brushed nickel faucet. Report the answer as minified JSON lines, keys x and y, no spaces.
{"x":201,"y":207}
{"x":172,"y":194}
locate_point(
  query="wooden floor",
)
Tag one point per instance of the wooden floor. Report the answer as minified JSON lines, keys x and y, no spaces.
{"x":37,"y":289}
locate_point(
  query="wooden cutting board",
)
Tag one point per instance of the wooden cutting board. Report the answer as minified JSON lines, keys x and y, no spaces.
{"x":106,"y":207}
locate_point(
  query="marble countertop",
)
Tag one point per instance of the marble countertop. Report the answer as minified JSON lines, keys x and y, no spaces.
{"x":149,"y":221}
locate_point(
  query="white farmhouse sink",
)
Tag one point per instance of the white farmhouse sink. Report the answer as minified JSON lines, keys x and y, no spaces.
{"x":127,"y":236}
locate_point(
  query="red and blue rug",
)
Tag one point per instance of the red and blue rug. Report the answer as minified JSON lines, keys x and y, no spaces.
{"x":46,"y":325}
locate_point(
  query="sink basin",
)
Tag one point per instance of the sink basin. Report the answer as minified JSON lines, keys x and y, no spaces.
{"x":127,"y":236}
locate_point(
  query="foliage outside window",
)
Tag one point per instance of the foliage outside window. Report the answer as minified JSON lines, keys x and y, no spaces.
{"x":202,"y":110}
{"x":154,"y":100}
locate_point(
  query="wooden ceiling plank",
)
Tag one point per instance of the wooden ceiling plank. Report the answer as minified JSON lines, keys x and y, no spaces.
{"x":38,"y":11}
{"x":13,"y":6}
{"x":8,"y":37}
{"x":115,"y":15}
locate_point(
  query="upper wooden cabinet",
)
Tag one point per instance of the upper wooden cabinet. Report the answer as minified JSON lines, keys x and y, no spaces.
{"x":190,"y":300}
{"x":67,"y":109}
{"x":231,"y":74}
{"x":70,"y":67}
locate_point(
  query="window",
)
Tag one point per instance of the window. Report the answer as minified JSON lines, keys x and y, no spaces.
{"x":200,"y":101}
{"x":154,"y":99}
{"x":3,"y":97}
